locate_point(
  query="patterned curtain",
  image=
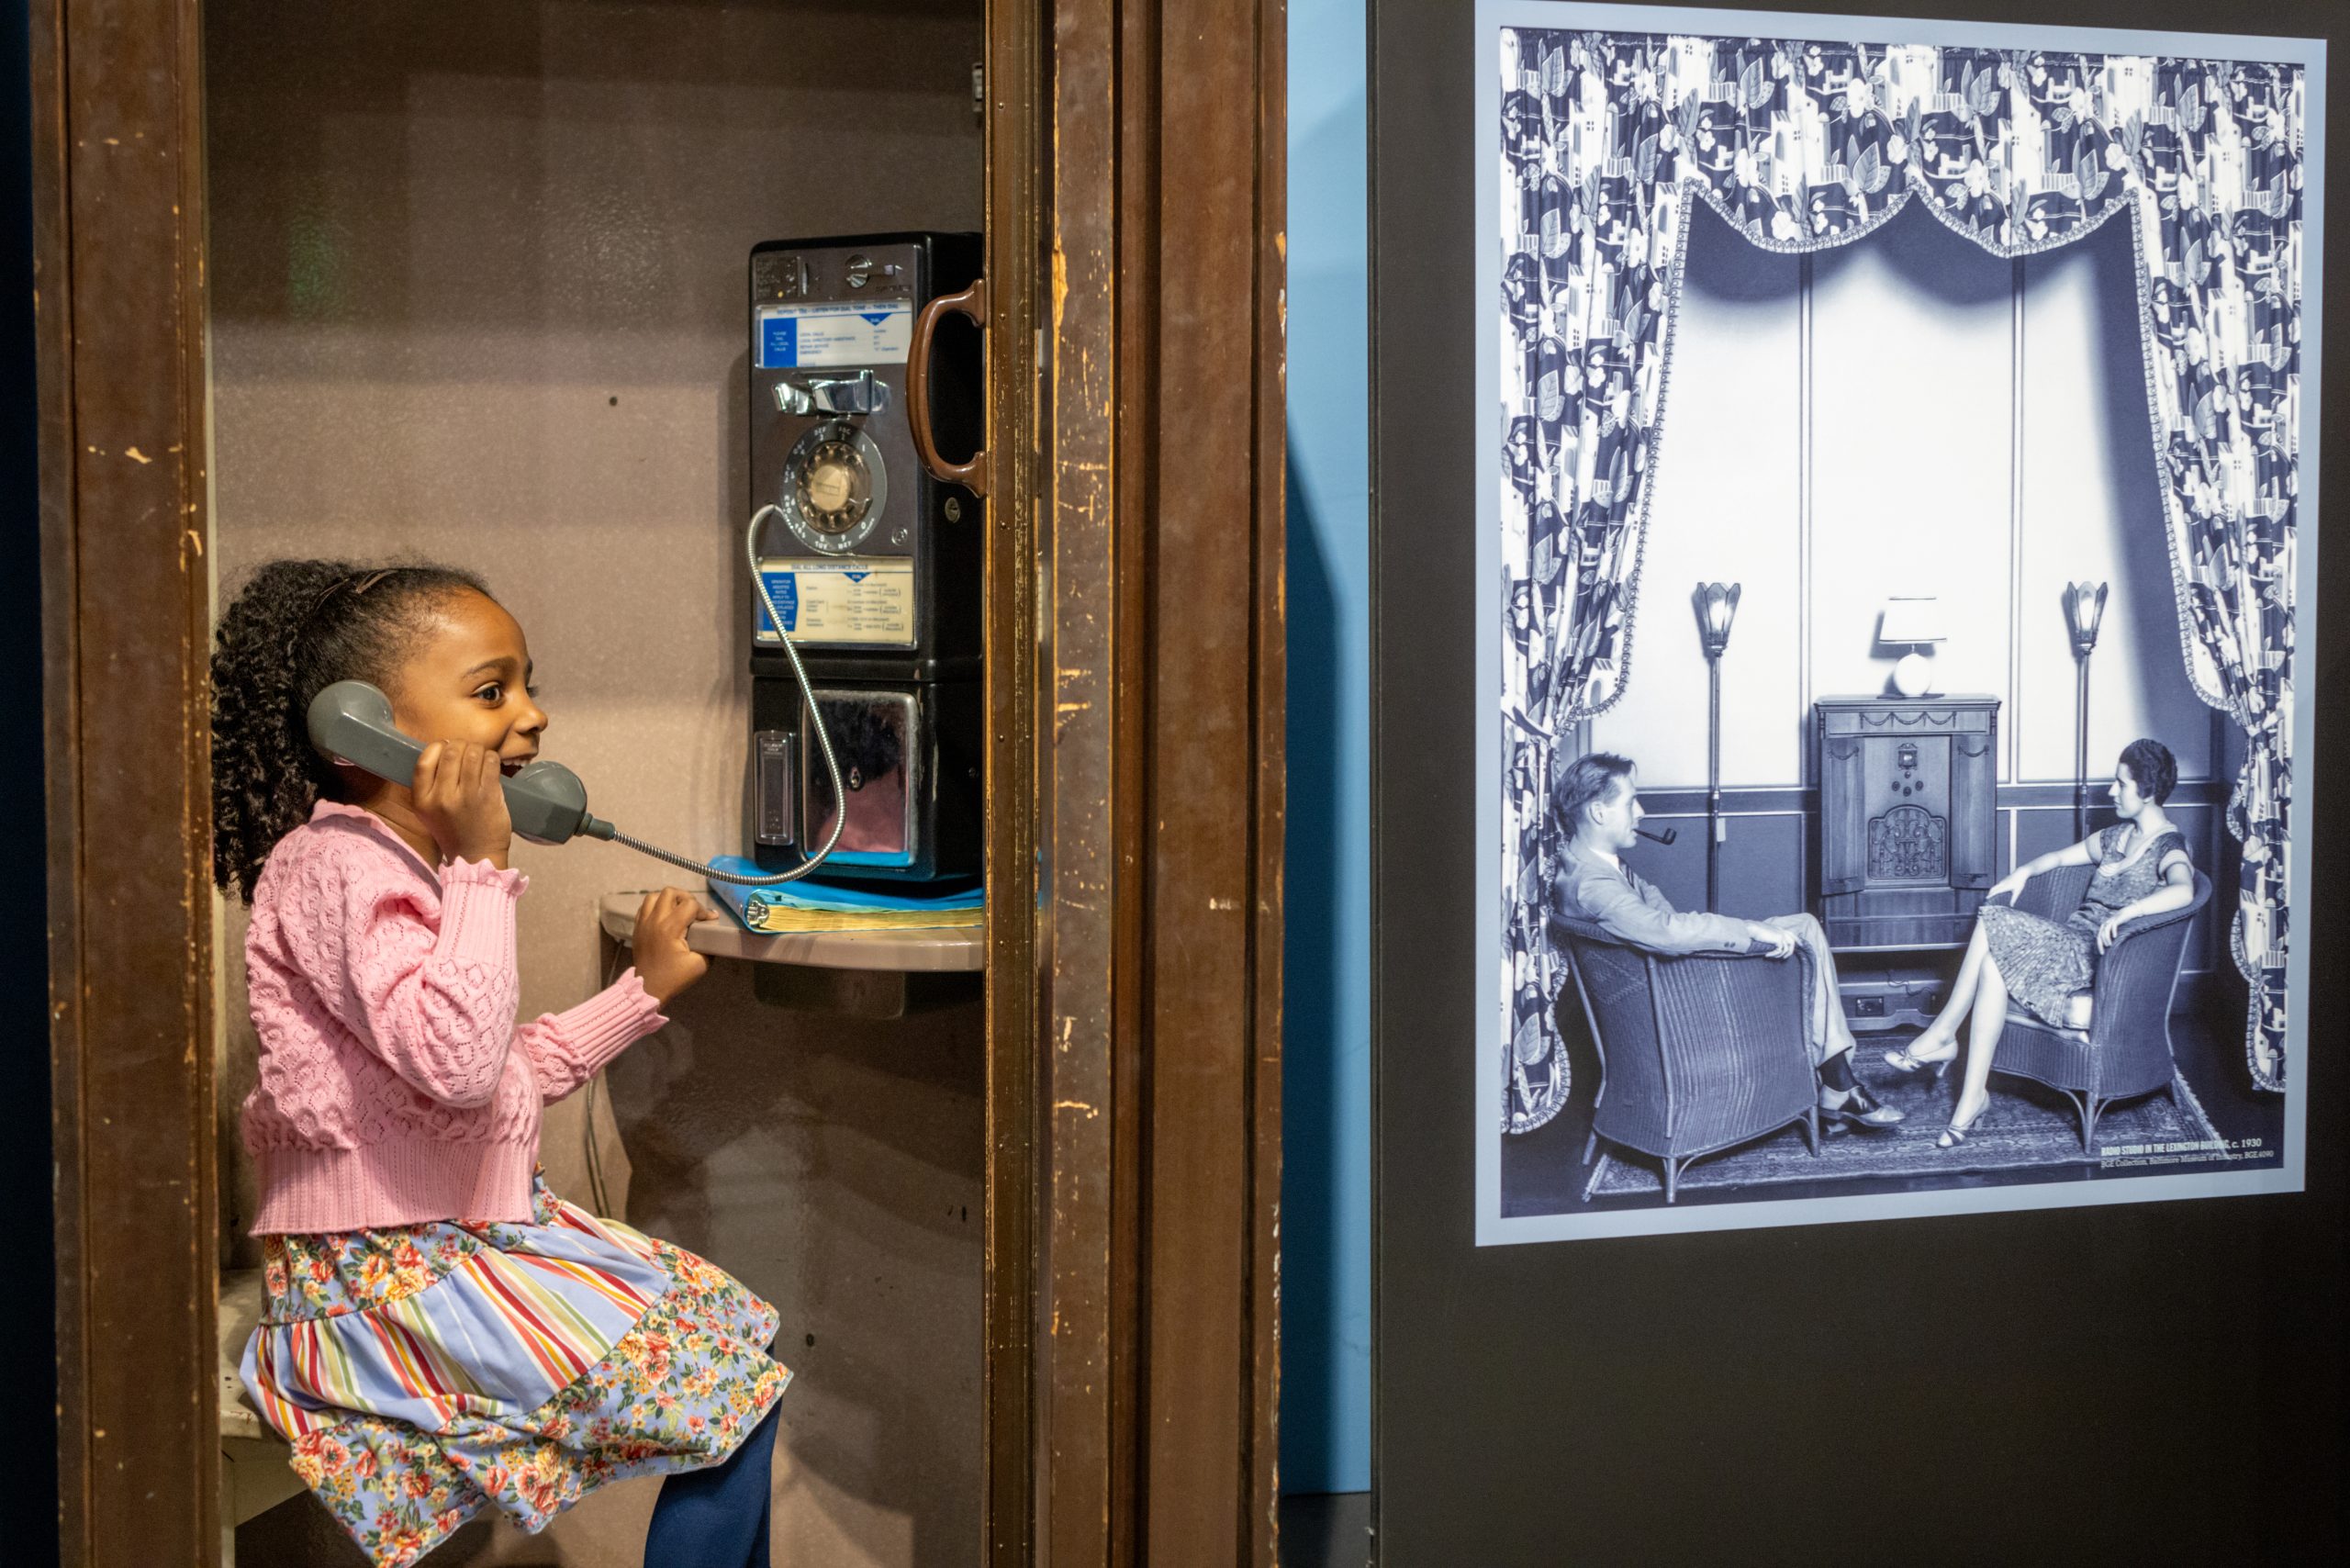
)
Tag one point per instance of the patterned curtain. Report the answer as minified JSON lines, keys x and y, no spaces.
{"x":1801,"y":145}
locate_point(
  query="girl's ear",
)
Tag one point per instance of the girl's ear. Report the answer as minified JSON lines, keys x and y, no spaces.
{"x":354,"y":784}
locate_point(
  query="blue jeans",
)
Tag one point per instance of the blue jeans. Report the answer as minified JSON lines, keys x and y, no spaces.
{"x":716,"y":1516}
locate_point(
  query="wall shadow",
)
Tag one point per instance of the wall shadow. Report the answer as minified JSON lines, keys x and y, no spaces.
{"x":1312,"y":1055}
{"x":1940,"y":264}
{"x":1723,"y":265}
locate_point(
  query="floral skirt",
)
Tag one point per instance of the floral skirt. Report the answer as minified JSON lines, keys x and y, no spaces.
{"x":427,"y":1373}
{"x":2044,"y":963}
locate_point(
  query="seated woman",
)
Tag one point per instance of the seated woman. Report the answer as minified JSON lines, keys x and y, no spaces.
{"x":2048,"y":965}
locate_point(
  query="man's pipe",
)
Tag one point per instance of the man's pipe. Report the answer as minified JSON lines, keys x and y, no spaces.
{"x":1667,"y":836}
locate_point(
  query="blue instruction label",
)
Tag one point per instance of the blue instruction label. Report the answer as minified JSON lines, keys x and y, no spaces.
{"x":797,"y":337}
{"x":783,"y":589}
{"x":854,"y":601}
{"x":778,"y":343}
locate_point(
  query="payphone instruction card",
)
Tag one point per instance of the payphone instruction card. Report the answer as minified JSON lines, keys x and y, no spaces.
{"x":795,"y":337}
{"x":865,"y":601}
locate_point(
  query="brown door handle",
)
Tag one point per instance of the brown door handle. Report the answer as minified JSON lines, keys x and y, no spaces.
{"x":972,"y":302}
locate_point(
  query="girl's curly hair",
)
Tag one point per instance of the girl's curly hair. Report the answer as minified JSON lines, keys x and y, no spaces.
{"x":296,"y":628}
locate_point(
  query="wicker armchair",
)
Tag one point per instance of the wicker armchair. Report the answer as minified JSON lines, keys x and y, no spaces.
{"x":1698,"y":1052}
{"x":2125,"y":1052}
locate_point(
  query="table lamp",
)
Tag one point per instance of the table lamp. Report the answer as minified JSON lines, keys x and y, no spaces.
{"x":1913,"y":621}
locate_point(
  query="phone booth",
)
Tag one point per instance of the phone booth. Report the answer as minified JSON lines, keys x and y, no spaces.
{"x":795,"y":380}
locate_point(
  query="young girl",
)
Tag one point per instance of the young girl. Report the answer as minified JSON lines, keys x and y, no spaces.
{"x":442,"y":1333}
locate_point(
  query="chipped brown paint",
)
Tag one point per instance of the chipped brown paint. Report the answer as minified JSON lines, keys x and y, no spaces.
{"x":1161,"y":784}
{"x":118,"y":247}
{"x":1017,"y":130}
{"x":1077,"y":1266}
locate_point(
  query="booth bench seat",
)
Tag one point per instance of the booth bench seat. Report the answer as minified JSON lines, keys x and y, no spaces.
{"x":254,"y":1475}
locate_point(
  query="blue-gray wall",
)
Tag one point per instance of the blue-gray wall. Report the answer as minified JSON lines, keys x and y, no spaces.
{"x":1326,"y":1108}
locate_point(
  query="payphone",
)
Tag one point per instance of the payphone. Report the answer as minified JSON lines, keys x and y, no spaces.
{"x":872,"y":561}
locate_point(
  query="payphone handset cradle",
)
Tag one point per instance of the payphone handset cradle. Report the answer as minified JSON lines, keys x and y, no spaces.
{"x":352,"y":721}
{"x":971,"y":302}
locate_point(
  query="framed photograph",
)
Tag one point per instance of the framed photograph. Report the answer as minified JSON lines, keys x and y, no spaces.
{"x":1894,"y":520}
{"x":1845,"y":612}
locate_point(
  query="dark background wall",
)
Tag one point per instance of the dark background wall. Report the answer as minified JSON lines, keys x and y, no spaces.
{"x":2143,"y":1382}
{"x":28,"y":1394}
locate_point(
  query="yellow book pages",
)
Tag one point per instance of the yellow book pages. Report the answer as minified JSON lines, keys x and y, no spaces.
{"x":772,"y":920}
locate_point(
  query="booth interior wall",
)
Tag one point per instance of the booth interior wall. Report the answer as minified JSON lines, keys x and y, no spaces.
{"x":477,"y":295}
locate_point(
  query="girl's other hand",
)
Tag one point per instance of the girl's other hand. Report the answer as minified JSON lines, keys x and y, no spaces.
{"x":663,"y":963}
{"x":458,"y":796}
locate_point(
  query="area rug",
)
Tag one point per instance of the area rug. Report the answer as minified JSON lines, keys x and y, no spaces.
{"x":2025,"y":1125}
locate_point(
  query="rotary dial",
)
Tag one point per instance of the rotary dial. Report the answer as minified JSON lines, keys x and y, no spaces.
{"x":834,"y":486}
{"x":834,"y":490}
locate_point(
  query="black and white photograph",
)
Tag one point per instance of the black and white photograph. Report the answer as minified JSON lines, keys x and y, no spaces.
{"x":1895,"y":522}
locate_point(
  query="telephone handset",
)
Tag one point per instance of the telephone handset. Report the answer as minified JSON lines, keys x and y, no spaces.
{"x":352,"y":721}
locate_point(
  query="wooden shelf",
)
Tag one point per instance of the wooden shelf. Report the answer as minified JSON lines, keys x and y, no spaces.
{"x":938,"y":950}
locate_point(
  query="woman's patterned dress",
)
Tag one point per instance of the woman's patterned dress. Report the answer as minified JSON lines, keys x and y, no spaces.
{"x":2046,"y":962}
{"x":426,"y":1372}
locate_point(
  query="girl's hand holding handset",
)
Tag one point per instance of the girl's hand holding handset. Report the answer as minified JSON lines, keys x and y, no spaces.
{"x":457,"y":792}
{"x":663,"y":963}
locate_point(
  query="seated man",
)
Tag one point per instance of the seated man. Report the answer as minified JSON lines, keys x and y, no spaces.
{"x":1595,"y":802}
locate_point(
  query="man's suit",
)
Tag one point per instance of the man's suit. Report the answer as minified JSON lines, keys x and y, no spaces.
{"x":1597,"y":888}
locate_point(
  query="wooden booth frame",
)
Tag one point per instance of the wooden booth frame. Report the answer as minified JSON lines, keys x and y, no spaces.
{"x":1134,"y":776}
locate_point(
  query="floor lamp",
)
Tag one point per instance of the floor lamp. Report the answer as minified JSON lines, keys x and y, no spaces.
{"x":1717,"y":607}
{"x":2084,"y":608}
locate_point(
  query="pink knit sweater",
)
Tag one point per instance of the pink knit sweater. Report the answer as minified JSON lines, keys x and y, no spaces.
{"x":395,"y":1087}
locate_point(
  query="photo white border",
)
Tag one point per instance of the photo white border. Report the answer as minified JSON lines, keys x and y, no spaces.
{"x":1490,"y":16}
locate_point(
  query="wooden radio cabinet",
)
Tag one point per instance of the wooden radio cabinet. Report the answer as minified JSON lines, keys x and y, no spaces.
{"x":1908,"y":790}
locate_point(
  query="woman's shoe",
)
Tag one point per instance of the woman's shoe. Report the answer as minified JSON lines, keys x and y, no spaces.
{"x":1909,"y":1058}
{"x":1955,"y":1134}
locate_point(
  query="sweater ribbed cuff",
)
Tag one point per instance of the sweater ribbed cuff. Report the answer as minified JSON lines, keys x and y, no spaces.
{"x":607,"y":1023}
{"x":477,"y":912}
{"x":482,"y":872}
